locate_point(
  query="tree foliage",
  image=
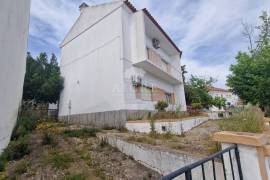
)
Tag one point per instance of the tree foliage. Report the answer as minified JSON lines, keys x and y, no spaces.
{"x":196,"y":91}
{"x":219,"y":102}
{"x":42,"y":83}
{"x":250,"y":76}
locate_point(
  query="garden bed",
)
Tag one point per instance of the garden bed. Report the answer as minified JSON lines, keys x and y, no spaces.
{"x":73,"y":152}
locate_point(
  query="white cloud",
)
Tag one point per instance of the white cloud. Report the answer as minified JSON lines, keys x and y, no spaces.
{"x":215,"y":24}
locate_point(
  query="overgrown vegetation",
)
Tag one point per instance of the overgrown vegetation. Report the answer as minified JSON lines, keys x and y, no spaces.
{"x":48,"y":139}
{"x":161,"y":106}
{"x":75,"y":177}
{"x":81,"y":133}
{"x":59,"y":160}
{"x":21,"y":167}
{"x":249,"y":120}
{"x":170,"y":115}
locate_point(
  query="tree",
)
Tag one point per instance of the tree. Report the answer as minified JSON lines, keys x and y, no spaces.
{"x":219,"y":102}
{"x":250,"y":76}
{"x":196,"y":91}
{"x":183,"y":70}
{"x":42,"y":83}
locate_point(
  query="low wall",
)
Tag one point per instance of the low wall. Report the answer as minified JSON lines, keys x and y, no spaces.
{"x":163,"y":162}
{"x":174,"y":126}
{"x":107,"y":119}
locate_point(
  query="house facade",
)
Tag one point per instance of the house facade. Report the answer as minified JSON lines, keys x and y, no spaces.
{"x":231,"y":99}
{"x":117,"y":59}
{"x":14,"y":18}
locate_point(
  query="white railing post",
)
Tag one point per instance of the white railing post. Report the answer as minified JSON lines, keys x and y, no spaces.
{"x":253,"y":158}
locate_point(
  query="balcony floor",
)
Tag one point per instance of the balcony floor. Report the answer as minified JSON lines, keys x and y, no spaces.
{"x":158,"y":72}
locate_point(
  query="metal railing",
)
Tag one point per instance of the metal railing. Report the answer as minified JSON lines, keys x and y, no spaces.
{"x":187,"y":170}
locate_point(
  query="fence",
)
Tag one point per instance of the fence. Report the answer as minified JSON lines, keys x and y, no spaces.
{"x":187,"y":170}
{"x":51,"y":114}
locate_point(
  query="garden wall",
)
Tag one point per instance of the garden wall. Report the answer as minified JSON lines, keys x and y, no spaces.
{"x":174,"y":126}
{"x":107,"y":119}
{"x":164,"y":162}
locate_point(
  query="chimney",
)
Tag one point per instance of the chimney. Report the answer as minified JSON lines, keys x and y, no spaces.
{"x":83,"y":6}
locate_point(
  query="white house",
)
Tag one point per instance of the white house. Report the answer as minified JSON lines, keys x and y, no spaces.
{"x":231,"y":99}
{"x":14,"y":18}
{"x":117,"y":62}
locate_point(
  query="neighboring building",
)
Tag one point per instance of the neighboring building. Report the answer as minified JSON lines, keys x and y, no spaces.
{"x":14,"y":18}
{"x":231,"y":99}
{"x":118,"y":59}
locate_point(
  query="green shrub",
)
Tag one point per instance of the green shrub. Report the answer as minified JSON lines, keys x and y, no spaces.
{"x":17,"y":149}
{"x":23,"y":127}
{"x":60,"y":160}
{"x":161,"y":106}
{"x":81,"y":133}
{"x":196,"y":106}
{"x":75,"y":177}
{"x":249,"y":120}
{"x":48,"y":139}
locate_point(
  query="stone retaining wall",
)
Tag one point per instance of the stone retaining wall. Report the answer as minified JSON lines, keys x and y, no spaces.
{"x":107,"y":119}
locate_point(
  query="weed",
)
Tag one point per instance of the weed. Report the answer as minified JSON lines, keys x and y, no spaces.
{"x":48,"y":139}
{"x":75,"y":177}
{"x":60,"y":160}
{"x":249,"y":120}
{"x":81,"y":133}
{"x":23,"y":127}
{"x":17,"y":149}
{"x":146,"y":140}
{"x":21,"y":167}
{"x":2,"y":165}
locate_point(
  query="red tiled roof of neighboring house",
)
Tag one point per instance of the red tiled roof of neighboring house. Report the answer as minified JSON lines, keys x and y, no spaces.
{"x":218,"y":89}
{"x":147,"y":13}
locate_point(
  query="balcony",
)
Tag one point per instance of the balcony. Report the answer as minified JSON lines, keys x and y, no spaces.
{"x":155,"y":65}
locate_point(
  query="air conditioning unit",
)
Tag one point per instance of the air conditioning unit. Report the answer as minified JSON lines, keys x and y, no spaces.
{"x":136,"y":80}
{"x":156,"y":43}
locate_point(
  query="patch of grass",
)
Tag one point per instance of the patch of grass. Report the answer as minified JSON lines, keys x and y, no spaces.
{"x":16,"y":149}
{"x":143,"y":139}
{"x":81,"y":133}
{"x":75,"y":177}
{"x":59,"y":160}
{"x":214,"y":147}
{"x":249,"y":120}
{"x":2,"y":165}
{"x":86,"y":156}
{"x":170,"y":115}
{"x":48,"y":139}
{"x":21,"y":167}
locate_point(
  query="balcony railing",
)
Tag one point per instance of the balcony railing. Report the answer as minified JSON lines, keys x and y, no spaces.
{"x":155,"y":58}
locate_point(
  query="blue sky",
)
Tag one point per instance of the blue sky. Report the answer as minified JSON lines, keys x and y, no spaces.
{"x":208,"y":31}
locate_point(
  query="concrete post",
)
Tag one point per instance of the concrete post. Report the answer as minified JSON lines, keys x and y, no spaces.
{"x":253,"y":154}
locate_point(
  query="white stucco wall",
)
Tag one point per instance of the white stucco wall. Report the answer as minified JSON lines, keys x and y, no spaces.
{"x":164,"y":162}
{"x":14,"y":18}
{"x":97,"y":62}
{"x":175,"y":127}
{"x":92,"y":69}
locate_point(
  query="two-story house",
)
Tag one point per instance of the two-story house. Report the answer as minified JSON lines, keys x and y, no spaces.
{"x":117,"y":62}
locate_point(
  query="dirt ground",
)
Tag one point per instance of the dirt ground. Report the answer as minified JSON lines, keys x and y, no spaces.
{"x":86,"y":158}
{"x":197,"y":141}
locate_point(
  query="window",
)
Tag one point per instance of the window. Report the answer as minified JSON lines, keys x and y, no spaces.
{"x":169,"y":98}
{"x":144,"y":93}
